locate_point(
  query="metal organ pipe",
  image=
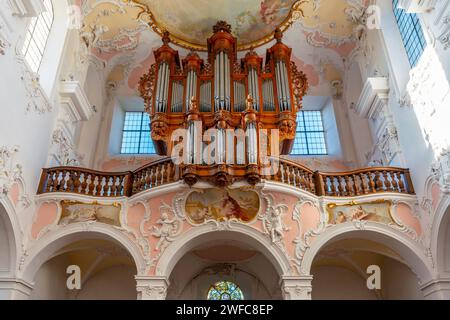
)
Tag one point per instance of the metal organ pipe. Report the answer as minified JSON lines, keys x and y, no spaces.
{"x":162,"y":88}
{"x":287,"y":94}
{"x":282,"y":85}
{"x":222,"y":82}
{"x":253,"y":87}
{"x":191,"y":90}
{"x":252,"y":151}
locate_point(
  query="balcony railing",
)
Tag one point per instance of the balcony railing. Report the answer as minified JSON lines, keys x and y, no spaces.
{"x":103,"y":184}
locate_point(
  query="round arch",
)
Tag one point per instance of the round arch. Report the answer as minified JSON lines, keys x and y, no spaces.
{"x":396,"y":240}
{"x":441,"y":221}
{"x":13,"y":233}
{"x":44,"y":248}
{"x":198,"y":235}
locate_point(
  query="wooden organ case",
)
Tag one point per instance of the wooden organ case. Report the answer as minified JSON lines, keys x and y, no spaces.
{"x":225,"y":94}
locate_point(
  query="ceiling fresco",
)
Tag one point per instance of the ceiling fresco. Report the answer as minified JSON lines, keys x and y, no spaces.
{"x":191,"y":22}
{"x":122,"y":34}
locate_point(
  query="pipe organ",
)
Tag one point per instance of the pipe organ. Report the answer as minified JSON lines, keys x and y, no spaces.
{"x":222,"y":92}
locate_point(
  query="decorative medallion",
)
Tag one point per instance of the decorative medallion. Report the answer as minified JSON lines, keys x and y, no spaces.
{"x":222,"y":204}
{"x":376,"y":211}
{"x":75,"y":211}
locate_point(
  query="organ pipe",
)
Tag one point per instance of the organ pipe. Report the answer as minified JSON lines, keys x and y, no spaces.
{"x":221,"y":85}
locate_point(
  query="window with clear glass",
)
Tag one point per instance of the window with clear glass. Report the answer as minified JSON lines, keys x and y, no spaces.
{"x":411,"y":32}
{"x":37,"y":36}
{"x":225,"y":290}
{"x":310,"y":137}
{"x":136,"y":137}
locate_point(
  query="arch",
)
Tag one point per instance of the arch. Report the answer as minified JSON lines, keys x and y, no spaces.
{"x":45,"y":247}
{"x":13,"y":234}
{"x":441,"y":221}
{"x":410,"y":251}
{"x":196,"y":236}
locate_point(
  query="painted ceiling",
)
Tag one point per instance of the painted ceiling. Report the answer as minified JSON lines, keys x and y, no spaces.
{"x":122,"y":34}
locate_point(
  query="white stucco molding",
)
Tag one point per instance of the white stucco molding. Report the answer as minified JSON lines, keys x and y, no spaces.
{"x":438,"y":233}
{"x":409,"y":250}
{"x":74,"y":97}
{"x":417,"y":6}
{"x":14,"y":289}
{"x":438,"y":289}
{"x":152,"y":288}
{"x":27,"y":8}
{"x":373,"y":98}
{"x":45,"y":248}
{"x":209,"y":232}
{"x":296,"y":287}
{"x":16,"y":236}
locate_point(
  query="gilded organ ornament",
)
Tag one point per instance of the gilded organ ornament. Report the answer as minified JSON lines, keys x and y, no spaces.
{"x":223,"y":104}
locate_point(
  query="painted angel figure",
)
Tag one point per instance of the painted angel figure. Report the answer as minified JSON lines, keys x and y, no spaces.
{"x":168,"y":230}
{"x":274,"y":223}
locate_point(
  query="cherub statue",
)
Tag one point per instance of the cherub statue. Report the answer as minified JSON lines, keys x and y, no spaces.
{"x":274,"y":223}
{"x":168,"y":230}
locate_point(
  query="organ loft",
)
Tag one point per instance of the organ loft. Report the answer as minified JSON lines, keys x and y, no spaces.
{"x":227,"y":94}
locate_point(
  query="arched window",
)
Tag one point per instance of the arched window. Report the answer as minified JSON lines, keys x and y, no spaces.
{"x":411,"y":32}
{"x":136,"y":134}
{"x":37,"y":36}
{"x":310,"y":136}
{"x":225,"y":290}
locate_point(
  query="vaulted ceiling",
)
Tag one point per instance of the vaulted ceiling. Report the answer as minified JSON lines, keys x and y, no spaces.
{"x":122,"y":34}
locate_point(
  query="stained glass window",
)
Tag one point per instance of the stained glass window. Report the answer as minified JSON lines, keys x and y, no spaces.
{"x":37,"y":36}
{"x":310,"y":137}
{"x":411,"y":31}
{"x":136,"y":134}
{"x":225,"y":290}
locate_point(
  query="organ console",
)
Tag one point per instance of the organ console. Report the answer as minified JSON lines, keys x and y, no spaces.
{"x":224,"y":94}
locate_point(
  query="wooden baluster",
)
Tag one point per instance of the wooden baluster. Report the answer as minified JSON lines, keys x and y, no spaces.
{"x":136,"y":183}
{"x":364,"y":185}
{"x":98,"y":186}
{"x":394,"y":181}
{"x":378,"y":182}
{"x":65,"y":179}
{"x":387,"y":182}
{"x":401,"y":183}
{"x":333,"y":186}
{"x":76,"y":182}
{"x":56,"y":182}
{"x":348,"y":190}
{"x":155,"y":173}
{"x":312,"y":185}
{"x":113,"y":186}
{"x":356,"y":189}
{"x":294,"y":180}
{"x":371,"y":183}
{"x":69,"y":184}
{"x":170,"y":172}
{"x":340,"y":186}
{"x":162,"y":169}
{"x":91,"y":184}
{"x":49,"y":183}
{"x":83,"y":182}
{"x":328,"y":186}
{"x":147,"y":181}
{"x":108,"y":187}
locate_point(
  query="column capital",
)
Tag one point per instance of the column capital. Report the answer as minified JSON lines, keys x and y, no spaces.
{"x":437,"y":289}
{"x":152,"y":288}
{"x":14,"y":289}
{"x":296,"y":287}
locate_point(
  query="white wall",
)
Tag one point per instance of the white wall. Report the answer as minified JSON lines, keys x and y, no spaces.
{"x":338,"y":283}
